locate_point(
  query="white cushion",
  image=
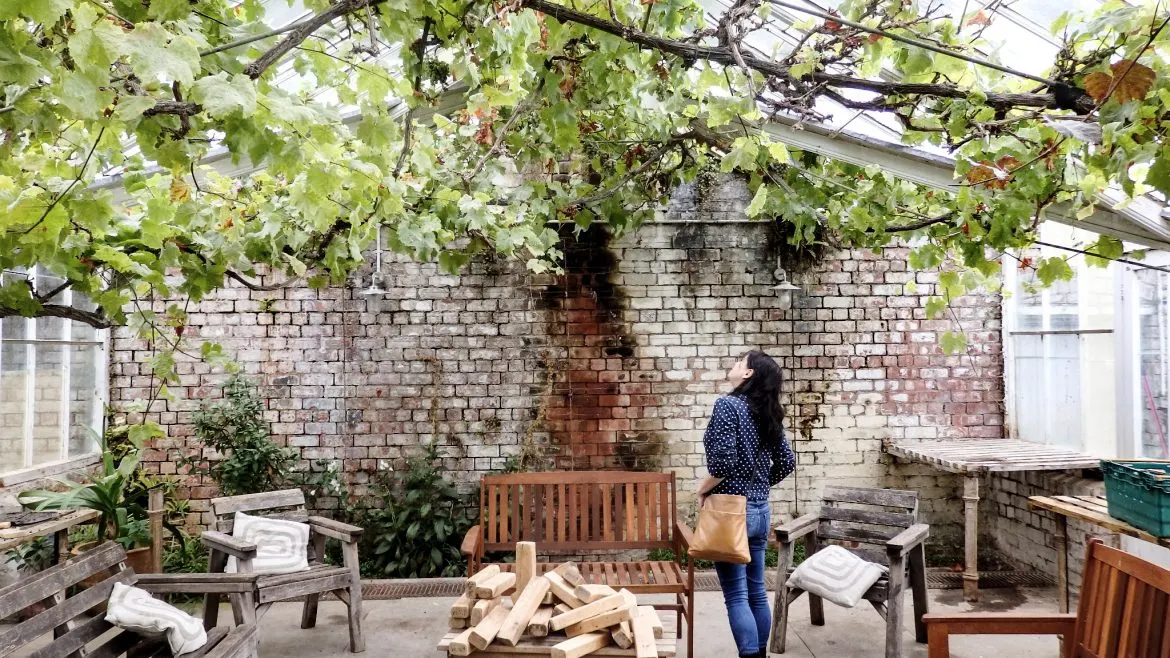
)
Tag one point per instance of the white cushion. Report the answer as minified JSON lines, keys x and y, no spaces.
{"x":836,"y":575}
{"x":281,"y":546}
{"x":136,"y":610}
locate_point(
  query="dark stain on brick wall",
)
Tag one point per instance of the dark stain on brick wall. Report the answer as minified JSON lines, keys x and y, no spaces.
{"x":587,"y":417}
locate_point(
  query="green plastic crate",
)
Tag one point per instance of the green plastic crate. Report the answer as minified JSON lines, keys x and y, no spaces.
{"x":1138,"y":492}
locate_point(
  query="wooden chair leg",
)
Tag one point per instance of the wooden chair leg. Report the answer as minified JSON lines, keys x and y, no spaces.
{"x":816,"y":605}
{"x":894,"y":606}
{"x":918,"y":588}
{"x":357,"y":642}
{"x":691,"y":623}
{"x":216,"y":563}
{"x":940,"y":642}
{"x":778,"y":641}
{"x":309,"y":613}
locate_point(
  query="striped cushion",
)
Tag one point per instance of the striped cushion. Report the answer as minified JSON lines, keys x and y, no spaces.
{"x":136,"y":610}
{"x":836,"y":575}
{"x":281,"y":546}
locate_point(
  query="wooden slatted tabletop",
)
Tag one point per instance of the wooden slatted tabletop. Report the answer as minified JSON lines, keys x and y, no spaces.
{"x":991,"y":455}
{"x":17,"y":535}
{"x":542,"y":646}
{"x":1092,"y":509}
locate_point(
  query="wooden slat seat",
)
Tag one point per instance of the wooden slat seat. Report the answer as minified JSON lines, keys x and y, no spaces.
{"x":583,"y":512}
{"x":659,"y":577}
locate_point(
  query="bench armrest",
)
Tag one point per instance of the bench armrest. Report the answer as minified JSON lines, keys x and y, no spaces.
{"x":197,"y":583}
{"x":786,"y":533}
{"x":1000,"y":623}
{"x":336,"y":529}
{"x":237,"y":548}
{"x":682,"y":534}
{"x":907,"y":540}
{"x":473,"y":541}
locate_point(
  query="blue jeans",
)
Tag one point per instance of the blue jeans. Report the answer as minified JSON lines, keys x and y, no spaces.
{"x":744,"y":590}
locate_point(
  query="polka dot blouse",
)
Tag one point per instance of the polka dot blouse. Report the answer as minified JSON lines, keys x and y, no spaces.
{"x":734,"y":453}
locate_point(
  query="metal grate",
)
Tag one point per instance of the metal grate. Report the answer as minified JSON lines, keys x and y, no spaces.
{"x":705,"y":581}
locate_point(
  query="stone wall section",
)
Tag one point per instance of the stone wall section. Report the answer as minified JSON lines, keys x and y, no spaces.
{"x":614,"y":364}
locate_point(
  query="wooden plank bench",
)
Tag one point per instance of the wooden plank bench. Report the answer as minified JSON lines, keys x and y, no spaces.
{"x":74,"y":615}
{"x":577,"y":512}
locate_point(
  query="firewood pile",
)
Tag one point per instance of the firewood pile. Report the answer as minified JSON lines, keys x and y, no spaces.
{"x":498,"y":609}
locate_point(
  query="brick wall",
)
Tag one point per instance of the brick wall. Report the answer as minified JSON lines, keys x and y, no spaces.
{"x":614,"y":364}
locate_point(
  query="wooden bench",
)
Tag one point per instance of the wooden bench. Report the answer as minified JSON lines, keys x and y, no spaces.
{"x":76,"y":619}
{"x":578,"y":512}
{"x":1124,"y":605}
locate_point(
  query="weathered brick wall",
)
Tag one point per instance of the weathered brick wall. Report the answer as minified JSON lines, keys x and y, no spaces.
{"x":614,"y":364}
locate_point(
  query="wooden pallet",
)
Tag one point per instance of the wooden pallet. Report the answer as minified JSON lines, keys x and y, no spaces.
{"x":542,"y":646}
{"x":970,"y":456}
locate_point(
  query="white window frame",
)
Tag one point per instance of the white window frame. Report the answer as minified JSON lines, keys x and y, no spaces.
{"x":1130,"y":397}
{"x":30,"y":471}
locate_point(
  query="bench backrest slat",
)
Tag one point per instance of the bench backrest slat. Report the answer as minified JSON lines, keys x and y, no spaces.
{"x":864,"y":519}
{"x":1124,"y":605}
{"x":284,"y":504}
{"x":52,"y":586}
{"x":567,"y":512}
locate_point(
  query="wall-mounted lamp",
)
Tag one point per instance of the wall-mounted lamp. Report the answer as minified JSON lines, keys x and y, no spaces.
{"x":783,"y":288}
{"x":376,"y":278}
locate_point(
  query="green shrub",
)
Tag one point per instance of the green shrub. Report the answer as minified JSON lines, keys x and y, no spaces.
{"x":32,"y":556}
{"x":416,"y":531}
{"x":235,"y":428}
{"x":184,"y":554}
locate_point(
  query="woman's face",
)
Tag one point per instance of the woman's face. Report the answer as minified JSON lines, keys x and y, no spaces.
{"x":739,"y":372}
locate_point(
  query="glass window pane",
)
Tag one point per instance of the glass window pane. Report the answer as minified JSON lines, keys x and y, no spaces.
{"x":1064,"y":322}
{"x":50,"y":328}
{"x":13,"y":399}
{"x":48,"y":379}
{"x":83,"y":400}
{"x":81,"y":330}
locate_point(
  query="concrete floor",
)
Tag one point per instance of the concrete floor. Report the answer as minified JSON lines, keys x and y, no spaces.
{"x":412,"y":627}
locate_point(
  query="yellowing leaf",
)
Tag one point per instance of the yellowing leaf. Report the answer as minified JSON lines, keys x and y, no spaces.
{"x":180,"y":191}
{"x":1129,"y":80}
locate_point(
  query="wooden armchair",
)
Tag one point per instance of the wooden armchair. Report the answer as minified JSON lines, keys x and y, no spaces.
{"x":77,"y":621}
{"x":343,"y":581}
{"x":1123,"y":611}
{"x":860,"y":519}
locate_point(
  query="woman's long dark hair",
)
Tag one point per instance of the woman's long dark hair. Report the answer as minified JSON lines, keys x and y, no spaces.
{"x":762,"y":393}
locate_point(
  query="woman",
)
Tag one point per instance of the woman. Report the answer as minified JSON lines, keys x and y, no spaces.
{"x":746,"y":447}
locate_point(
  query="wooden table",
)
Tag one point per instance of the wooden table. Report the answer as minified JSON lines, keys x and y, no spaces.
{"x":16,"y":535}
{"x":542,"y":646}
{"x":1090,"y":509}
{"x":972,"y":458}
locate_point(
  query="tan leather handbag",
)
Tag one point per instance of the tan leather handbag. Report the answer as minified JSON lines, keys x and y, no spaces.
{"x":721,"y":533}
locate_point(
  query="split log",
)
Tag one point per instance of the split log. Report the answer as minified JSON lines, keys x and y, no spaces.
{"x":569,"y":572}
{"x":481,"y":610}
{"x":486,"y":630}
{"x":590,"y":593}
{"x":561,"y":608}
{"x":538,"y":625}
{"x":462,"y":607}
{"x":600,"y":622}
{"x":456,"y":624}
{"x":485,"y":574}
{"x":549,"y":599}
{"x":644,"y":645}
{"x":461,"y":645}
{"x":623,"y":635}
{"x":525,"y":566}
{"x":655,"y":621}
{"x":582,"y":645}
{"x":586,"y":611}
{"x":522,"y":612}
{"x":562,"y":590}
{"x":495,"y":586}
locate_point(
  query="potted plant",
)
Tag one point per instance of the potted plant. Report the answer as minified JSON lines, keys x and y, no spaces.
{"x":119,"y":519}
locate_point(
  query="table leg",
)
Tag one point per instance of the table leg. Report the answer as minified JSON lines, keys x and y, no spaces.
{"x":1060,"y":538}
{"x":971,"y":537}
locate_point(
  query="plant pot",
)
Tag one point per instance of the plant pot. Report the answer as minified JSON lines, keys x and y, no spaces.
{"x":138,"y":559}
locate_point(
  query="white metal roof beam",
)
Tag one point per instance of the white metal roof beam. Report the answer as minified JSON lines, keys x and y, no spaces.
{"x":1139,"y":222}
